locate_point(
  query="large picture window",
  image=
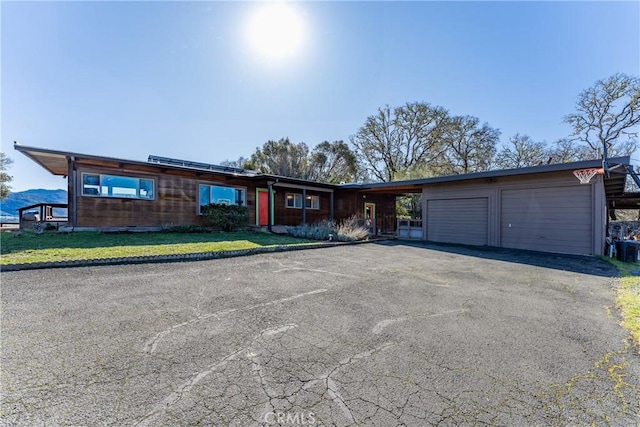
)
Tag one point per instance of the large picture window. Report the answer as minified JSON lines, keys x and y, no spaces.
{"x":117,"y":186}
{"x":216,"y":194}
{"x":294,"y":200}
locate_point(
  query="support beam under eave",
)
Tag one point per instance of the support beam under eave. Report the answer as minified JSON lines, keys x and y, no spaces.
{"x":72,"y":192}
{"x":304,"y":206}
{"x":269,"y":206}
{"x":331,"y":206}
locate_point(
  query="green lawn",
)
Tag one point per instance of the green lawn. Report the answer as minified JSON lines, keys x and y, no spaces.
{"x":29,"y":247}
{"x":628,"y":298}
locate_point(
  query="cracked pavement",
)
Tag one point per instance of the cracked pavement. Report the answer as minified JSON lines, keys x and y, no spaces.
{"x":374,"y":335}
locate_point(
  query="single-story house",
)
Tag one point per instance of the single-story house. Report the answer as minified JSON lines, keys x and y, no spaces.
{"x":542,"y":208}
{"x":111,"y":193}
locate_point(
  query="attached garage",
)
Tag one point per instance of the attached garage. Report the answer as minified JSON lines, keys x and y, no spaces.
{"x":550,"y":219}
{"x":462,"y":221}
{"x":540,"y":208}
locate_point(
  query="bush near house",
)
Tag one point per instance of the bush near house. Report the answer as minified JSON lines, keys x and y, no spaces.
{"x":347,"y":230}
{"x":226,"y":217}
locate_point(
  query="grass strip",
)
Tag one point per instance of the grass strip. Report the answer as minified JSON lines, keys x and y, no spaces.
{"x":29,"y":247}
{"x":628,"y":298}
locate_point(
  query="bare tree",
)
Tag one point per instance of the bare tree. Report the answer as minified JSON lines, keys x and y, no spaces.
{"x":521,"y":151}
{"x":5,"y":178}
{"x":608,"y":115}
{"x":567,"y":150}
{"x":333,"y":162}
{"x":469,"y":146}
{"x":400,"y":139}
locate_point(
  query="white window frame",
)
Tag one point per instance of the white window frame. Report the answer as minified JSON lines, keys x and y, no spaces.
{"x":211,"y":185}
{"x":99,"y":189}
{"x":313,"y":198}
{"x":297,"y":200}
{"x":314,"y":201}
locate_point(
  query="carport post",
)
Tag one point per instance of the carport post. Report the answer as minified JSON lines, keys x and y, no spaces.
{"x":72,"y":193}
{"x":331,"y":206}
{"x":304,"y":206}
{"x":269,"y":205}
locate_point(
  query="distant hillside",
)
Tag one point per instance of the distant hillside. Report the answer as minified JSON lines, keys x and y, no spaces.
{"x":9,"y":206}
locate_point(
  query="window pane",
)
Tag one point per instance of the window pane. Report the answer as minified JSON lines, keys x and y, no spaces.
{"x":205,"y":198}
{"x":117,"y":186}
{"x":223,"y":195}
{"x":146,"y":188}
{"x":239,"y":197}
{"x":91,"y":185}
{"x":312,"y":202}
{"x":294,"y":200}
{"x":120,"y":186}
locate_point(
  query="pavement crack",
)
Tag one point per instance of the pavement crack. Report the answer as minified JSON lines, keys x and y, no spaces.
{"x":162,"y":407}
{"x":151,"y":344}
{"x":380,"y":326}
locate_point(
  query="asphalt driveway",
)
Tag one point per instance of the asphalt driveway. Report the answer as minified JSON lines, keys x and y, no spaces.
{"x":375,"y":334}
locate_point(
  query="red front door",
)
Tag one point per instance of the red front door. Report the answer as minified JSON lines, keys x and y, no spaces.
{"x":263,"y":208}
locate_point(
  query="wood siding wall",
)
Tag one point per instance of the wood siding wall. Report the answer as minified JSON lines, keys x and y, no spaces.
{"x":175,"y":203}
{"x":293,"y":216}
{"x":565,"y":206}
{"x":176,"y":200}
{"x":351,"y":202}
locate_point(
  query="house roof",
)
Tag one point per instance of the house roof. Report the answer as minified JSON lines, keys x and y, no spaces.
{"x":55,"y":161}
{"x":614,"y":184}
{"x":199,"y":166}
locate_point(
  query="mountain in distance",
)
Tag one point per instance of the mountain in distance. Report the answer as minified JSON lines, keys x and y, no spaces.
{"x":9,"y":206}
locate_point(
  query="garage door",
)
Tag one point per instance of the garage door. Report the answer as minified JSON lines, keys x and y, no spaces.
{"x":556,"y":219}
{"x":458,"y":221}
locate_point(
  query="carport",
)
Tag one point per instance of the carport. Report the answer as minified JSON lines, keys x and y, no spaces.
{"x":542,"y":208}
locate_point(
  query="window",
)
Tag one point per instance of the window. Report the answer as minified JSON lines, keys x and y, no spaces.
{"x":312,"y":202}
{"x":125,"y":187}
{"x":215,"y":194}
{"x":294,"y":200}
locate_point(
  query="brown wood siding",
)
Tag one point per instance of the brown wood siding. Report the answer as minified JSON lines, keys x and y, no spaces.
{"x":176,"y":199}
{"x":351,"y":202}
{"x":175,"y":203}
{"x":293,"y":216}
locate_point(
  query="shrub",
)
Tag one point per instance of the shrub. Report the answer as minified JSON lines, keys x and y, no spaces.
{"x":347,"y":230}
{"x":318,"y":231}
{"x":226,"y":217}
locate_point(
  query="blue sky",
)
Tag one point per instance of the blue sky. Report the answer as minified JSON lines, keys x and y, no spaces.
{"x":178,"y":79}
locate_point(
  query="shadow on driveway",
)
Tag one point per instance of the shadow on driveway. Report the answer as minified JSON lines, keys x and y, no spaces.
{"x":574,"y":263}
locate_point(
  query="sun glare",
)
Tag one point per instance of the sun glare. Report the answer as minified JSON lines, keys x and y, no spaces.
{"x":276,"y":31}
